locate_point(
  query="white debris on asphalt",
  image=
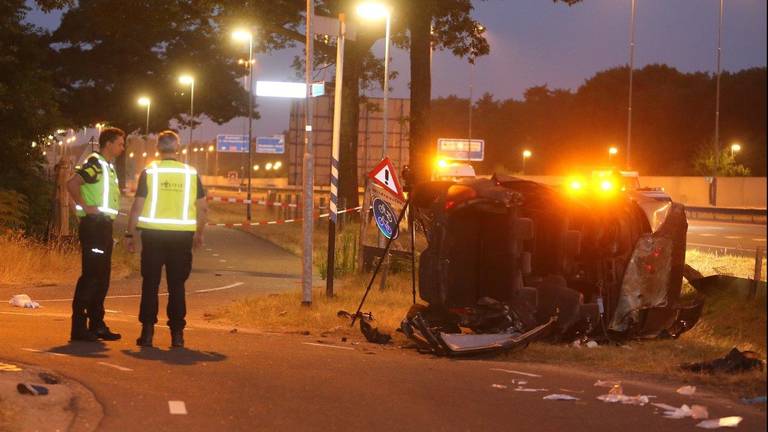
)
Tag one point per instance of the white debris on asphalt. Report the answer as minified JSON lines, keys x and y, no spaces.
{"x":608,"y":384}
{"x":592,"y":344}
{"x":560,"y":397}
{"x":696,"y":412}
{"x":616,"y":395}
{"x":687,"y":390}
{"x":730,"y":422}
{"x":498,"y":386}
{"x":23,"y":301}
{"x":510,"y":371}
{"x":177,"y":407}
{"x":529,"y":390}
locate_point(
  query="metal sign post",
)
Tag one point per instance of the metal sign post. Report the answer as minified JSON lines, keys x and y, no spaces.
{"x":335,"y":158}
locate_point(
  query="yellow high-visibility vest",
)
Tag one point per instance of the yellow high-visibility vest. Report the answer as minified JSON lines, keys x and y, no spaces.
{"x":105,"y":193}
{"x":171,"y":196}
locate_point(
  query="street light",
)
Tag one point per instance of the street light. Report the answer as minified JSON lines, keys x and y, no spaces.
{"x":377,"y":11}
{"x":241,"y":35}
{"x":735,"y":148}
{"x":526,"y":154}
{"x":612,"y":151}
{"x":190,"y":81}
{"x":147,"y":102}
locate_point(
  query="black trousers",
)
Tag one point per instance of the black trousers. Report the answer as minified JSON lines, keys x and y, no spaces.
{"x":95,"y":235}
{"x":172,"y":249}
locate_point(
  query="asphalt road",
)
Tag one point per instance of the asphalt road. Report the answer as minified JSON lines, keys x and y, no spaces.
{"x":727,"y":237}
{"x":246,"y":380}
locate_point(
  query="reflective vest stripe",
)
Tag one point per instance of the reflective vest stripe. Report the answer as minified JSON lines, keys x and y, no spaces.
{"x":106,"y":169}
{"x":167,"y":221}
{"x":149,"y":217}
{"x":155,"y":188}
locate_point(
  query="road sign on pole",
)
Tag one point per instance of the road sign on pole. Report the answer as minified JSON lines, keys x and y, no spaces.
{"x":461,"y":149}
{"x":384,"y":175}
{"x":232,"y":143}
{"x":271,"y":145}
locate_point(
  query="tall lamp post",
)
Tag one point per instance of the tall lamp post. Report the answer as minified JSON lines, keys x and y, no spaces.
{"x":735,"y":148}
{"x":376,"y":11}
{"x":631,"y":72}
{"x":526,"y":154}
{"x":147,"y":102}
{"x":247,"y":36}
{"x":612,"y":151}
{"x":190,"y":81}
{"x":713,"y":185}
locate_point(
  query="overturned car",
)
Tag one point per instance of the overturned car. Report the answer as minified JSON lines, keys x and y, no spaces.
{"x":514,"y":260}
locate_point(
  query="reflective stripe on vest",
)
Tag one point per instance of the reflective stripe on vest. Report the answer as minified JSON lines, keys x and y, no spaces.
{"x":149,"y":218}
{"x":104,"y":206}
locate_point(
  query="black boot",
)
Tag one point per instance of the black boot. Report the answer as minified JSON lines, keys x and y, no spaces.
{"x":103,"y":332}
{"x":147,"y":332}
{"x":177,"y":338}
{"x":80,"y":332}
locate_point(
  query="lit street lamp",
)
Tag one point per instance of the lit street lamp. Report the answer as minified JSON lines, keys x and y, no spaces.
{"x":612,"y":151}
{"x":190,"y":81}
{"x":376,"y":11}
{"x":526,"y":154}
{"x":247,"y":36}
{"x":735,"y":148}
{"x":147,"y":102}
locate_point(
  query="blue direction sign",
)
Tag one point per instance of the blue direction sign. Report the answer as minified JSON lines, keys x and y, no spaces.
{"x":461,"y":149}
{"x":386,"y":219}
{"x":232,"y":143}
{"x":271,"y":145}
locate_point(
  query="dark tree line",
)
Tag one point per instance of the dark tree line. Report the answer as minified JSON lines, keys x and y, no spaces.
{"x":672,"y":127}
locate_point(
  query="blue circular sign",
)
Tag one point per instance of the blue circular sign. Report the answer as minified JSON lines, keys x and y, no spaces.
{"x":385,"y":217}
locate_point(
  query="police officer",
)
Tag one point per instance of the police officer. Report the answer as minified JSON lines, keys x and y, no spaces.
{"x":170,"y":211}
{"x":96,"y":194}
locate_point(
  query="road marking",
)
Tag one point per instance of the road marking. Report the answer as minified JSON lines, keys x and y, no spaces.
{"x":222,"y":260}
{"x":45,"y":352}
{"x":177,"y":407}
{"x":732,"y":237}
{"x":758,"y":239}
{"x":129,"y":296}
{"x":236,"y":284}
{"x":510,"y":371}
{"x":328,"y":346}
{"x":114,"y":366}
{"x":111,"y":311}
{"x":706,"y":235}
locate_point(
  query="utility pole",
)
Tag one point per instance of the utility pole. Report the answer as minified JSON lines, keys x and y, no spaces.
{"x":307,"y":222}
{"x":713,"y":185}
{"x":631,"y":73}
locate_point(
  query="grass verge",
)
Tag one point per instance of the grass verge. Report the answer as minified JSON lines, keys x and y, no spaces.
{"x":24,"y":260}
{"x":728,"y":321}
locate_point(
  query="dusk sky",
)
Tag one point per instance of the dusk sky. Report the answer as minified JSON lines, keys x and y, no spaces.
{"x":535,"y":42}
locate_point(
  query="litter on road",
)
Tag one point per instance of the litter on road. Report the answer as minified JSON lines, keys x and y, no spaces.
{"x":177,"y":407}
{"x":32,"y":389}
{"x":608,"y":384}
{"x":686,"y":390}
{"x":616,"y":395}
{"x":697,"y":412}
{"x":730,"y":422}
{"x":734,"y":362}
{"x":23,"y":301}
{"x":7,"y":367}
{"x":560,"y":397}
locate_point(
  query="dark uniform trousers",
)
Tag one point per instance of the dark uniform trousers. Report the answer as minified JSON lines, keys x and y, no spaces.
{"x":172,"y":249}
{"x":95,"y":235}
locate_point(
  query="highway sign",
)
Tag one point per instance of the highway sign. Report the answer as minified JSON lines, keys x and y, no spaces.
{"x":271,"y":145}
{"x":461,"y":149}
{"x":384,"y":175}
{"x":385,"y":217}
{"x":232,"y":143}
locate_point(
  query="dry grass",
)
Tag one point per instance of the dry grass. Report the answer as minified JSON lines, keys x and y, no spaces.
{"x":27,"y":261}
{"x":712,"y":263}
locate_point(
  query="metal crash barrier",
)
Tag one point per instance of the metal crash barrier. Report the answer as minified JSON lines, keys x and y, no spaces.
{"x":725,"y":214}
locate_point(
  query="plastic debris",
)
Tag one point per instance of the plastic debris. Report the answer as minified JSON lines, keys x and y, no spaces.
{"x":23,"y":301}
{"x":560,"y":397}
{"x":754,"y":400}
{"x":498,"y":386}
{"x":609,"y":384}
{"x":7,"y":367}
{"x":730,"y":422}
{"x":696,"y":412}
{"x":616,"y":395}
{"x":531,"y":390}
{"x":32,"y":389}
{"x":48,"y":378}
{"x":664,"y":406}
{"x":592,"y":344}
{"x":686,"y":390}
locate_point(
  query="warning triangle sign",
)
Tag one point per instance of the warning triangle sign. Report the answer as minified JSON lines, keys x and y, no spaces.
{"x":384,"y":175}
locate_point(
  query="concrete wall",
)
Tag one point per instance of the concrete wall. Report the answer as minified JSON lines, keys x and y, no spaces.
{"x":694,"y":191}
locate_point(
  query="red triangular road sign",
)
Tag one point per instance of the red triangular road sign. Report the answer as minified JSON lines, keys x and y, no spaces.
{"x":384,"y":175}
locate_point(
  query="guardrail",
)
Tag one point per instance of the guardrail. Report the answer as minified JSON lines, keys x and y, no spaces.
{"x":725,"y":214}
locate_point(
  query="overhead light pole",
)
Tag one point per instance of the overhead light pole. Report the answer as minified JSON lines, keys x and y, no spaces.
{"x":715,"y":168}
{"x":735,"y":148}
{"x":243,"y":36}
{"x":147,"y":102}
{"x":190,"y":81}
{"x":631,"y":74}
{"x":612,"y":151}
{"x":526,"y":154}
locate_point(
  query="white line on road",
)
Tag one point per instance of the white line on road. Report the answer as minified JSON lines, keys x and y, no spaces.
{"x":114,"y":366}
{"x":236,"y":284}
{"x":132,"y":296}
{"x":328,"y":346}
{"x":732,"y":237}
{"x":177,"y":407}
{"x":510,"y":371}
{"x":45,"y":352}
{"x":705,"y":235}
{"x":758,"y":239}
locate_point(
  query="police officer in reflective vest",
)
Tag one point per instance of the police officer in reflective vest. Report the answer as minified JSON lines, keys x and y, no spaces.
{"x":96,"y":194}
{"x":170,"y":211}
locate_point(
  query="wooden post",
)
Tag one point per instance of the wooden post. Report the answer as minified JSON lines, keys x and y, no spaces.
{"x":758,"y":272}
{"x":60,"y":226}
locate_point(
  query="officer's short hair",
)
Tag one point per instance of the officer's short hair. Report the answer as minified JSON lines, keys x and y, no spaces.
{"x":108,"y":135}
{"x":167,"y":141}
